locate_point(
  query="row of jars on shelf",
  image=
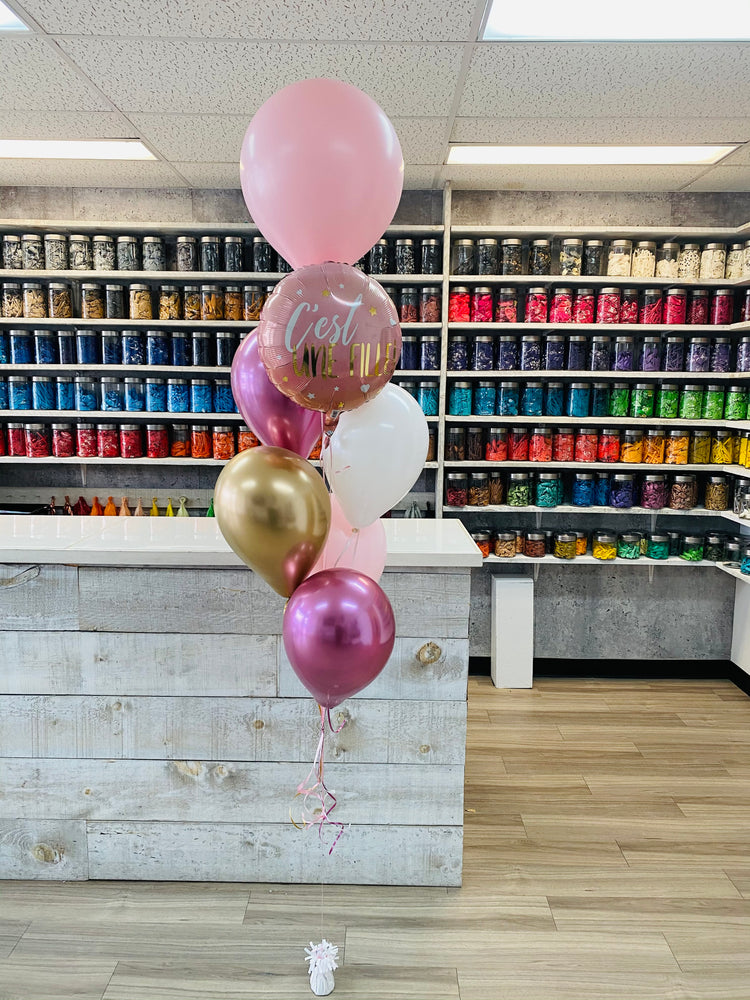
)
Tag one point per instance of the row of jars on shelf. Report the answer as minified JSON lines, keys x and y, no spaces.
{"x":583,"y":305}
{"x":714,"y":546}
{"x":78,"y":252}
{"x":558,"y":352}
{"x":32,"y":300}
{"x":84,"y":393}
{"x":652,"y":446}
{"x":666,"y":400}
{"x":594,"y":258}
{"x":620,"y":491}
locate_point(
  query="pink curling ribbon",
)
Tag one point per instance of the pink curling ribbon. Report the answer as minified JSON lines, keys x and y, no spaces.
{"x":318,"y":802}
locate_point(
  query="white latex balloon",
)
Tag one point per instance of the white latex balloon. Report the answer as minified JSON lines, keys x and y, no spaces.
{"x":375,"y":454}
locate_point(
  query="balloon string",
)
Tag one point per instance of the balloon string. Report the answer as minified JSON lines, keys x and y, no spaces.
{"x":318,"y":802}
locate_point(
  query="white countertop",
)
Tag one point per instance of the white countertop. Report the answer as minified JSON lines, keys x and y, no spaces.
{"x":197,"y":541}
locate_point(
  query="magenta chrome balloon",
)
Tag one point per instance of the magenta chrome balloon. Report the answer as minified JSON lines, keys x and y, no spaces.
{"x":339,"y":631}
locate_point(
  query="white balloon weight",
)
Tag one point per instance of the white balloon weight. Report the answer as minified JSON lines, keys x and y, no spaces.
{"x":375,"y":455}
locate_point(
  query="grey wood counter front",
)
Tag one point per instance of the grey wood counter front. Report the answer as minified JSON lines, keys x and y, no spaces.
{"x":152,"y":728}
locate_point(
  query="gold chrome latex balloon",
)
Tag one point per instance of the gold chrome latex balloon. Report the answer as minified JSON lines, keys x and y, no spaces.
{"x":274,"y":510}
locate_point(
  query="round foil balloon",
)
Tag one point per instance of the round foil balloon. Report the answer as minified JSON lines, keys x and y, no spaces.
{"x":329,"y":337}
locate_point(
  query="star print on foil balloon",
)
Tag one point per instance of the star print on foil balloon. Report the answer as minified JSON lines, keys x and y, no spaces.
{"x":329,"y":337}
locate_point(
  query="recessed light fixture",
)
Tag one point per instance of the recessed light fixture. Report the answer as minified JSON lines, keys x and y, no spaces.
{"x":75,"y":149}
{"x":589,"y":155}
{"x":9,"y":20}
{"x":595,"y":21}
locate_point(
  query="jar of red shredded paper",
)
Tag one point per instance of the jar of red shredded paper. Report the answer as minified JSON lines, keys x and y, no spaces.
{"x":609,"y":445}
{"x":157,"y":441}
{"x":608,"y":306}
{"x":536,"y":305}
{"x":130,"y":441}
{"x":518,"y":444}
{"x":62,"y":441}
{"x":37,"y":441}
{"x":722,"y":306}
{"x":583,"y":306}
{"x":675,"y":305}
{"x":651,"y":310}
{"x":629,"y":305}
{"x":16,"y":441}
{"x":496,"y":448}
{"x":561,"y":308}
{"x":481,"y":305}
{"x":85,"y":441}
{"x":459,"y":305}
{"x":586,"y":444}
{"x":107,"y":441}
{"x":563,"y":445}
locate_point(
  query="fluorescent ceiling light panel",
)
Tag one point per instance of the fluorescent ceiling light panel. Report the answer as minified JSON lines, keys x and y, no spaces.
{"x":588,"y":155}
{"x":74,"y":149}
{"x":639,"y":20}
{"x":9,"y":21}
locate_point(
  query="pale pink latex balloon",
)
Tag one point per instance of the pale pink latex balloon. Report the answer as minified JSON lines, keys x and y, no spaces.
{"x":322,"y":171}
{"x":360,"y":549}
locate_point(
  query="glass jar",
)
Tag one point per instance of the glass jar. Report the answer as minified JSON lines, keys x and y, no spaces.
{"x":64,"y":394}
{"x":12,"y":301}
{"x":721,"y":447}
{"x":654,"y":492}
{"x":427,"y":397}
{"x":246,"y":440}
{"x":722,"y":307}
{"x":496,"y":448}
{"x":631,"y":449}
{"x":212,"y":302}
{"x":140,"y":301}
{"x":563,"y":445}
{"x":519,"y":490}
{"x":62,"y":441}
{"x":34,"y":301}
{"x":547,"y":489}
{"x":157,"y":441}
{"x":536,"y":305}
{"x":409,"y":360}
{"x":643,"y":263}
{"x":127,"y":253}
{"x":657,"y":545}
{"x":21,"y":350}
{"x":532,"y":399}
{"x":455,"y":444}
{"x":458,"y":353}
{"x":43,"y":395}
{"x":642,"y":400}
{"x":531,"y":353}
{"x":508,"y":399}
{"x":697,"y":307}
{"x":59,"y":305}
{"x":608,"y":306}
{"x":593,"y":258}
{"x":698,"y":354}
{"x":600,"y":399}
{"x":720,"y":356}
{"x":459,"y":305}
{"x":201,"y":397}
{"x":583,"y":306}
{"x":577,"y":353}
{"x":408,"y":311}
{"x":676,"y":447}
{"x":233,"y":303}
{"x":565,"y":545}
{"x":135,"y":397}
{"x":533,"y":545}
{"x":554,"y":395}
{"x":699,"y":452}
{"x":19,"y":392}
{"x":651,"y":308}
{"x":233,"y":253}
{"x":157,"y":347}
{"x":713,"y":550}
{"x":474,"y":444}
{"x":608,"y":449}
{"x":506,"y":306}
{"x":688,"y":263}
{"x":717,"y":493}
{"x":518,"y":444}
{"x":463,"y":258}
{"x":540,"y":258}
{"x":619,"y":399}
{"x":12,"y":256}
{"x":186,"y":253}
{"x":130,"y":441}
{"x":674,"y":354}
{"x":624,"y":354}
{"x":430,"y":304}
{"x":156,"y":395}
{"x":735,"y":405}
{"x":561,"y":307}
{"x":85,"y":441}
{"x":618,"y":259}
{"x":180,"y":444}
{"x":604,"y":546}
{"x":505,"y":545}
{"x":132,"y":348}
{"x":571,"y":255}
{"x":32,"y":250}
{"x":629,"y":305}
{"x":667,"y":257}
{"x":112,"y":394}
{"x":482,"y":354}
{"x":180,"y":348}
{"x":226,"y":345}
{"x":675,"y":306}
{"x":16,"y":440}
{"x":431,"y":253}
{"x":713,"y":403}
{"x":586,"y":445}
{"x":583,"y":489}
{"x":692,"y":548}
{"x":201,"y":352}
{"x":456,"y":489}
{"x":37,"y":441}
{"x":540,"y":447}
{"x":86,"y":393}
{"x":107,"y":441}
{"x":682,"y":492}
{"x":488,"y":257}
{"x":223,"y":443}
{"x":381,"y":259}
{"x":170,"y":303}
{"x":691,"y":402}
{"x":152,"y":248}
{"x":579,"y":396}
{"x":210,"y":247}
{"x":178,"y":396}
{"x":649,"y":359}
{"x":653,"y":447}
{"x":629,"y":545}
{"x":733,"y":268}
{"x":103,"y":253}
{"x":512,"y":252}
{"x":481,"y":305}
{"x":599,"y":354}
{"x":479,"y":489}
{"x":713,"y":262}
{"x":200,"y":441}
{"x":459,"y":399}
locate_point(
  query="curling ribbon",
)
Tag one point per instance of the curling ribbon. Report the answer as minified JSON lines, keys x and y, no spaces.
{"x":318,"y":802}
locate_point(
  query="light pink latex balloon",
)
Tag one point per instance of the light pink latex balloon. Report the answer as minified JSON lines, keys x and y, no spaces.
{"x":360,"y":549}
{"x":321,"y":171}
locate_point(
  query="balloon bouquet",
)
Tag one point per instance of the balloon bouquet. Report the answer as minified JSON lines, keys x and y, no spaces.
{"x":322,"y":174}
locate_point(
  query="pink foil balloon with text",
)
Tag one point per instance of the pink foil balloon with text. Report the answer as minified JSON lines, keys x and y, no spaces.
{"x":339,"y":630}
{"x":360,"y":549}
{"x":321,"y":171}
{"x":274,"y":418}
{"x":329,"y":337}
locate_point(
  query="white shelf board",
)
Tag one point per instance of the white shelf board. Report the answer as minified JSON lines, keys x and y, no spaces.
{"x":588,"y":560}
{"x":147,"y":277}
{"x":68,"y":226}
{"x":733,"y":571}
{"x":568,"y":509}
{"x":613,"y":467}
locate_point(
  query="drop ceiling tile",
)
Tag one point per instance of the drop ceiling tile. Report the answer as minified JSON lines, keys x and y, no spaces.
{"x":64,"y":125}
{"x":740,"y":158}
{"x":89,"y":173}
{"x":558,"y":80}
{"x":571,"y":178}
{"x":421,"y":177}
{"x":573,"y":129}
{"x":423,"y":140}
{"x":723,"y":179}
{"x":210,"y":175}
{"x":35,"y":77}
{"x":193,"y":138}
{"x":304,"y":20}
{"x":234,"y":77}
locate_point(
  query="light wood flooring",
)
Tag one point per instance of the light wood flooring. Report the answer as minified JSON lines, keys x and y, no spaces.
{"x":607,"y":856}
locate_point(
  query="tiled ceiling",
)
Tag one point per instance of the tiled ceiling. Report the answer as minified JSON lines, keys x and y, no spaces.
{"x":186,"y":76}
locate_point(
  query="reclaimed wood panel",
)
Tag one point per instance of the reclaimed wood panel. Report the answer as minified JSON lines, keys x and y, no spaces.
{"x":38,"y":597}
{"x":224,"y":791}
{"x":43,"y":848}
{"x":417,"y":666}
{"x":429,"y":603}
{"x":367,"y":855}
{"x":137,"y":663}
{"x":244,"y":729}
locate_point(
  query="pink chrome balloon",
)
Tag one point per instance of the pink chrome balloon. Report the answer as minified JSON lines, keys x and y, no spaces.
{"x":360,"y":549}
{"x":329,"y":337}
{"x":274,"y":418}
{"x":339,"y":631}
{"x":322,"y":171}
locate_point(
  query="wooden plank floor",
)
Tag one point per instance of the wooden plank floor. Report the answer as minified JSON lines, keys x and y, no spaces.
{"x":607,"y":856}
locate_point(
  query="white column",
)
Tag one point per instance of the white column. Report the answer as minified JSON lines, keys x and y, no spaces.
{"x":512,"y":664}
